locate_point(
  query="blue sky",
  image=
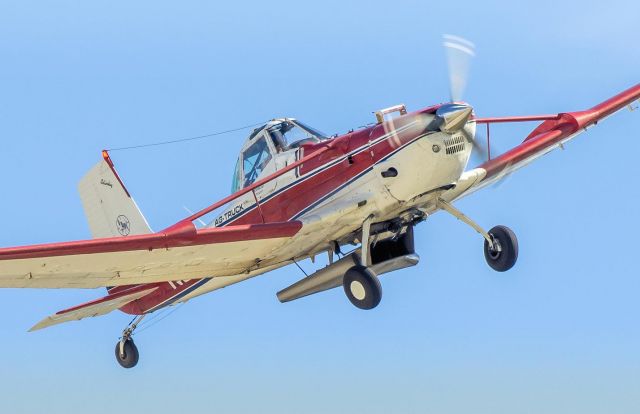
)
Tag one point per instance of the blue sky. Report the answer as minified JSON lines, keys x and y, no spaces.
{"x":558,"y":333}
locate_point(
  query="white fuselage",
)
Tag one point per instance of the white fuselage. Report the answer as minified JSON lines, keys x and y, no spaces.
{"x":428,"y":163}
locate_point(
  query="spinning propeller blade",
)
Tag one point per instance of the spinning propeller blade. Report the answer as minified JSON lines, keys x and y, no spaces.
{"x":459,"y":52}
{"x":455,"y":115}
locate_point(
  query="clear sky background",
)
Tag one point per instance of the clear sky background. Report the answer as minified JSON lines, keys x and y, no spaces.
{"x":559,"y":333}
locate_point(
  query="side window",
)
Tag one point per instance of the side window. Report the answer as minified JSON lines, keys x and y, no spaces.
{"x":254,"y":160}
{"x":237,"y":177}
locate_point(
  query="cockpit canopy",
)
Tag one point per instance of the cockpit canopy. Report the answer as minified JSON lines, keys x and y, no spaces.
{"x":268,"y":142}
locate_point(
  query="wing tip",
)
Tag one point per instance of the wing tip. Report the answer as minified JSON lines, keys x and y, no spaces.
{"x":45,"y":323}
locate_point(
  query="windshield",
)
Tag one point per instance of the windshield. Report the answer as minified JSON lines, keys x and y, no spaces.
{"x":312,"y":131}
{"x":266,"y":142}
{"x":254,"y":159}
{"x":287,"y":133}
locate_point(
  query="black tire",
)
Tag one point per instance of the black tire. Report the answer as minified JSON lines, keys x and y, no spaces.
{"x":362,"y":287}
{"x":131,"y":355}
{"x":502,"y":260}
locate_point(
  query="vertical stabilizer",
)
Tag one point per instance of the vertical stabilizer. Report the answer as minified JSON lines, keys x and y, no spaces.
{"x":110,"y":209}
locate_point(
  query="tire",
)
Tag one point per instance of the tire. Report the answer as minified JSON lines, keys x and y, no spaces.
{"x":362,"y":287}
{"x":131,"y":355}
{"x":502,"y":260}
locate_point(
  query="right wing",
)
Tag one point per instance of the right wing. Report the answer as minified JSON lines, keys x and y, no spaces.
{"x":180,"y":252}
{"x":549,"y":135}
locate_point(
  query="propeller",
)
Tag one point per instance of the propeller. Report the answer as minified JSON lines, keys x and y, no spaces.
{"x":459,"y":52}
{"x":454,"y":115}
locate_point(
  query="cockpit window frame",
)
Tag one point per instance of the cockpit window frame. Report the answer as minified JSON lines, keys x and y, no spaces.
{"x":280,"y":139}
{"x":236,"y":184}
{"x":276,"y":143}
{"x":255,"y":137}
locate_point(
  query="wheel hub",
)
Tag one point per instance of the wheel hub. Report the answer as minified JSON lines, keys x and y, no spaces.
{"x":496,"y":249}
{"x":357,"y":290}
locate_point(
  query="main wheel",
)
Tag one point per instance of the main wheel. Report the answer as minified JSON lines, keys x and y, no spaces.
{"x":362,"y":287}
{"x":505,"y":252}
{"x":129,"y":357}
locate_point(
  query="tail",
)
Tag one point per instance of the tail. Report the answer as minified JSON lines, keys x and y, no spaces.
{"x":108,"y":206}
{"x":111,"y":212}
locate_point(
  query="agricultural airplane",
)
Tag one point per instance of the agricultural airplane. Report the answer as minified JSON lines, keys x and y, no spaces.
{"x":297,"y":193}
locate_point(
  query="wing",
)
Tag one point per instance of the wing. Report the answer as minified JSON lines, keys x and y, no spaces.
{"x":96,"y":307}
{"x":177,"y":253}
{"x":552,"y":133}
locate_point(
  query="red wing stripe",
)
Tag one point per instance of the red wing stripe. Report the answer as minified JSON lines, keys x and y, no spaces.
{"x":181,"y":234}
{"x":522,"y":152}
{"x":618,"y":102}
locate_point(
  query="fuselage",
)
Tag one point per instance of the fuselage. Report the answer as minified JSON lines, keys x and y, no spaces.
{"x":381,"y":170}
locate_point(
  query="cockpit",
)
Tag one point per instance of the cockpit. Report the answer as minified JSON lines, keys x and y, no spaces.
{"x":269,"y":147}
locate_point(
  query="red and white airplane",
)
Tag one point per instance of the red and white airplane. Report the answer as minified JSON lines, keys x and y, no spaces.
{"x":296,"y":194}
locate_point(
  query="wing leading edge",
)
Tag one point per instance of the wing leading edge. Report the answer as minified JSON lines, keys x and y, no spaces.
{"x":179,"y":252}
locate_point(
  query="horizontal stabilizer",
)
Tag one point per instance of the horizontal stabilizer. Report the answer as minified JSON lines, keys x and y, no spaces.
{"x":96,"y":307}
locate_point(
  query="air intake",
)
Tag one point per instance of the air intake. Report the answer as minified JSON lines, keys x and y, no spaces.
{"x":454,"y":144}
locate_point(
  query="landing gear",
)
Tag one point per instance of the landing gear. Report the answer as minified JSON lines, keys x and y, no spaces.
{"x":360,"y":284}
{"x":500,"y":243}
{"x":126,"y":351}
{"x":504,"y":252}
{"x":362,"y":287}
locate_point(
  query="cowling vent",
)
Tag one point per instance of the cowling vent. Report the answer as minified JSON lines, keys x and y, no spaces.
{"x":454,"y":144}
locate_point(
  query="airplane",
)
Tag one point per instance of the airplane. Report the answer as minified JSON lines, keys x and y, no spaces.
{"x":296,"y":194}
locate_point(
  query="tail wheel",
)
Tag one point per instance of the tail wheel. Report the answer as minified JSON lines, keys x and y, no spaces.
{"x":128,"y":356}
{"x":362,"y":287}
{"x":504,"y":253}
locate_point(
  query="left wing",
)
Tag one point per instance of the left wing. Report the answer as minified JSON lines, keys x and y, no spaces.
{"x":552,"y":133}
{"x":180,"y":252}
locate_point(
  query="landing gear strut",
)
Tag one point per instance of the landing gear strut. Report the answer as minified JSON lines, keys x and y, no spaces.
{"x":126,"y":351}
{"x":360,"y":284}
{"x":500,"y":243}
